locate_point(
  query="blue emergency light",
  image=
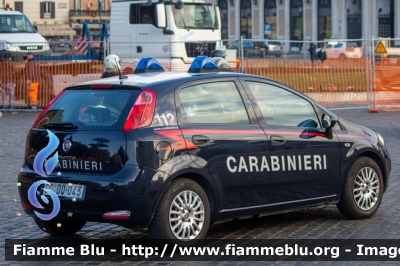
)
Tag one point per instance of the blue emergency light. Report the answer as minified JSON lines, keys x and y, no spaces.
{"x":147,"y":65}
{"x":203,"y":64}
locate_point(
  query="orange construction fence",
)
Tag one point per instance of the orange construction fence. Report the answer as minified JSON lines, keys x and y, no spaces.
{"x":387,"y":82}
{"x":333,"y":82}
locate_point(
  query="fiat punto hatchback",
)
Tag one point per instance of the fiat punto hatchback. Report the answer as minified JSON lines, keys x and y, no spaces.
{"x":174,"y":152}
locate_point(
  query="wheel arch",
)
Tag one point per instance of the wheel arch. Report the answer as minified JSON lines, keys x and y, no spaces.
{"x":201,"y":177}
{"x":376,"y":158}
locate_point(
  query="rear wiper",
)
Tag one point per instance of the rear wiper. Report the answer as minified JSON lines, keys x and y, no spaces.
{"x":65,"y":125}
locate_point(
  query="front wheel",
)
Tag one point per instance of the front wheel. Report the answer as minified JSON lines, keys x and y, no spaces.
{"x":183,"y":214}
{"x":363,"y":190}
{"x":60,"y":227}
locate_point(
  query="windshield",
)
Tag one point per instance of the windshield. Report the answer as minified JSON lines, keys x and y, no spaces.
{"x":195,"y":16}
{"x":15,"y":24}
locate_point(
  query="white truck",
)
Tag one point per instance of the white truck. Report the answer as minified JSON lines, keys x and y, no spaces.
{"x":18,"y":36}
{"x":172,"y":32}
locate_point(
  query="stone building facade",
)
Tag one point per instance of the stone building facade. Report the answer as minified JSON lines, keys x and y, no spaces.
{"x":309,"y":20}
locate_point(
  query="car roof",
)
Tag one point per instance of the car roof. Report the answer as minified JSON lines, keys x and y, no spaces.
{"x":161,"y":78}
{"x":5,"y":12}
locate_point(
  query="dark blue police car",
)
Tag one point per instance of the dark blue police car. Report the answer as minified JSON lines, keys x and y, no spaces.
{"x":174,"y":152}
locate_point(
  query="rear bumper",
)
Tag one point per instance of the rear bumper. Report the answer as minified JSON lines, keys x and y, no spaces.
{"x":128,"y":189}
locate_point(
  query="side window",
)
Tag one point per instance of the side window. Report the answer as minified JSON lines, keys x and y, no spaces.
{"x":280,"y":107}
{"x":139,"y":14}
{"x":213,"y":103}
{"x":147,"y":15}
{"x":133,"y":13}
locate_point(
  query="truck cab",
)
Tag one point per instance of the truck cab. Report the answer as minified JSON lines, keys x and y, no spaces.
{"x":173,"y":32}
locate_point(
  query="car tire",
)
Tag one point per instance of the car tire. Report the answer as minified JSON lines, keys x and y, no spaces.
{"x":181,"y":224}
{"x":278,"y":55}
{"x":342,"y":57}
{"x":66,"y":228}
{"x":363,"y":190}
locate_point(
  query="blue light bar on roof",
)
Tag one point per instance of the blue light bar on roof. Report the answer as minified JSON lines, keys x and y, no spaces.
{"x":147,"y":65}
{"x":203,"y":64}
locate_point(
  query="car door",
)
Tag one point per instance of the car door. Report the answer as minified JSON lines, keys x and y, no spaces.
{"x":304,"y":163}
{"x":223,"y":137}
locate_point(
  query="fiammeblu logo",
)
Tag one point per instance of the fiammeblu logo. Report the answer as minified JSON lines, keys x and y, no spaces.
{"x":49,"y":165}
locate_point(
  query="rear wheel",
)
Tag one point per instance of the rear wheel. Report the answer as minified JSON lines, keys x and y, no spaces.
{"x":183,"y":214}
{"x":60,"y":227}
{"x":363,"y":190}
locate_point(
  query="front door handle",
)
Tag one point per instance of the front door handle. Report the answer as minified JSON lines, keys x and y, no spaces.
{"x":199,"y":140}
{"x":277,"y":140}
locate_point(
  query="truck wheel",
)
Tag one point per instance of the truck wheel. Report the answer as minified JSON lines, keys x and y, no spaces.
{"x":363,"y":190}
{"x":183,"y":213}
{"x":342,"y":57}
{"x":60,"y":227}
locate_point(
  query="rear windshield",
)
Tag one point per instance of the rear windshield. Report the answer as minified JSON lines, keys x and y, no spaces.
{"x":92,"y":109}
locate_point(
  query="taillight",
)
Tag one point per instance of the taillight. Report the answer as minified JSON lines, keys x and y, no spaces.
{"x":141,"y":114}
{"x":26,"y":206}
{"x":46,"y":108}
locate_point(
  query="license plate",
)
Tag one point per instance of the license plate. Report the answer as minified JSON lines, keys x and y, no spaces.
{"x":65,"y":190}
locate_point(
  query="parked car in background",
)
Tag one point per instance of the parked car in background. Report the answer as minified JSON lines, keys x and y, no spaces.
{"x":258,"y":48}
{"x":342,"y":50}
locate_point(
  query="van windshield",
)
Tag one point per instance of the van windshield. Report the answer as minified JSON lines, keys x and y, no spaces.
{"x":15,"y":24}
{"x":195,"y":16}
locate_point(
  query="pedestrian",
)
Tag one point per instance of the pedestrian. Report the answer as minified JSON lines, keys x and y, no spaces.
{"x":322,"y":55}
{"x":313,"y":53}
{"x":7,"y":81}
{"x":32,"y":71}
{"x":112,"y":65}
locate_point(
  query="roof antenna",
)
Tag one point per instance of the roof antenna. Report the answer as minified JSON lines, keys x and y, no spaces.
{"x":121,"y":78}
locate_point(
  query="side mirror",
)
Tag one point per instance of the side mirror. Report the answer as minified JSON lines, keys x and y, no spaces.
{"x":328,"y":122}
{"x":160,"y":15}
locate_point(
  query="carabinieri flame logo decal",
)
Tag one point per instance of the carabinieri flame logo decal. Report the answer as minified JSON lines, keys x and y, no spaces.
{"x":49,"y":165}
{"x":40,"y":158}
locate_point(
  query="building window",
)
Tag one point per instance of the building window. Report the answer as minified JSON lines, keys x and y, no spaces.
{"x":245,"y":19}
{"x":223,"y":10}
{"x":101,"y":4}
{"x":296,"y":20}
{"x":270,"y":26}
{"x":77,"y":5}
{"x":324,"y":19}
{"x":354,"y":19}
{"x":19,"y":6}
{"x":47,"y":10}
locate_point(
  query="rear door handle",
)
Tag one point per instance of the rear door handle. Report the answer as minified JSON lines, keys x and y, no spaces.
{"x":277,"y":140}
{"x":199,"y":140}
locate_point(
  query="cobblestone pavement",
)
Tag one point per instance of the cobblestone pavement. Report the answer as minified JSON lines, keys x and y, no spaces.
{"x":323,"y":222}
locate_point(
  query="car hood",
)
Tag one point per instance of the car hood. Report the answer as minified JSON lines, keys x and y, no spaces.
{"x":358,"y":129}
{"x":23,"y":38}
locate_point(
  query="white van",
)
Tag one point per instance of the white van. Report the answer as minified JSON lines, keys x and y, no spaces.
{"x":18,"y":36}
